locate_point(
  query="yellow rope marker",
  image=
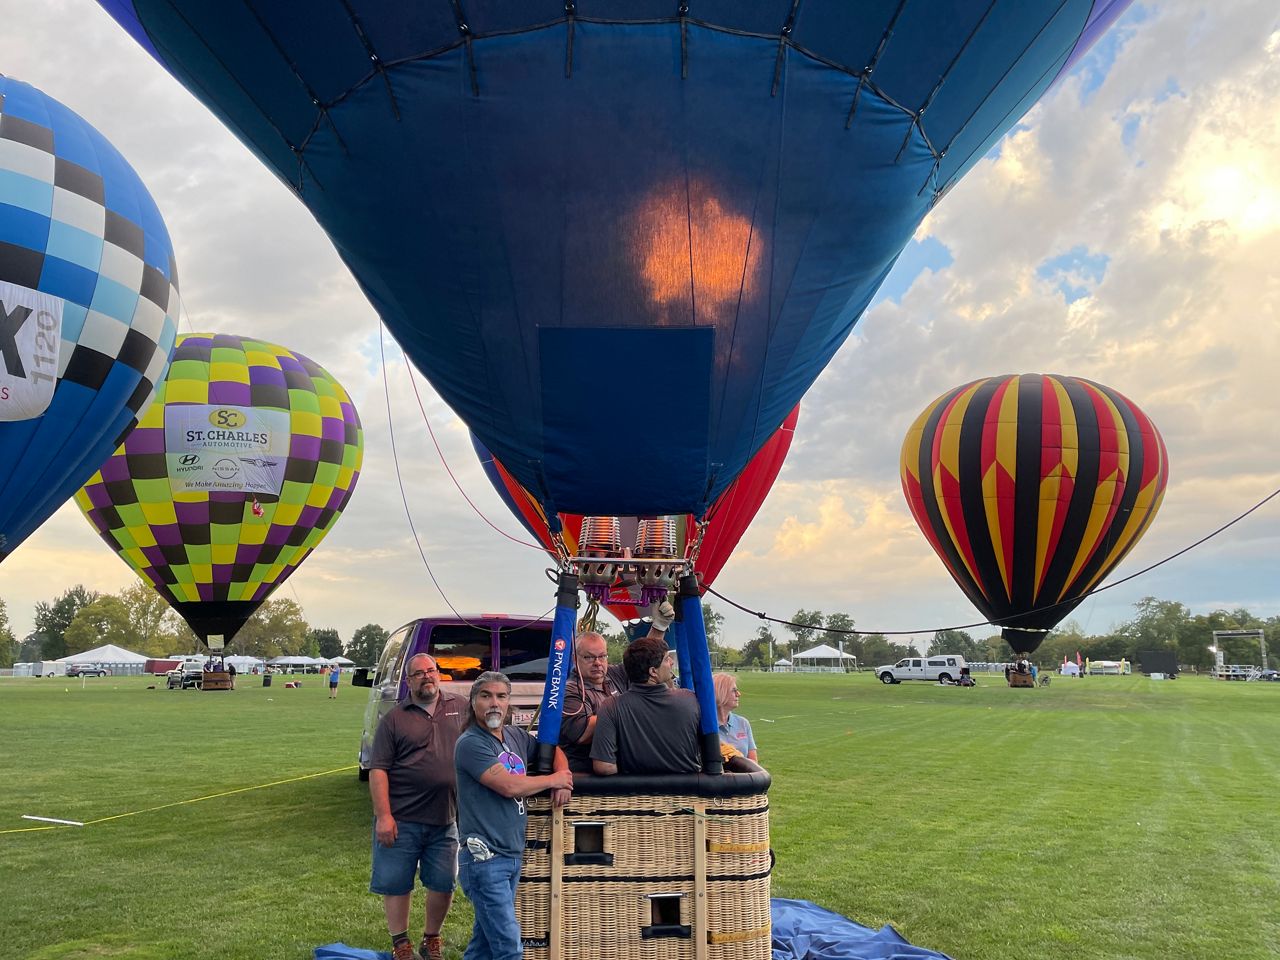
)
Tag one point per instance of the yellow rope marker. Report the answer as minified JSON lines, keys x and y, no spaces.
{"x":179,"y":803}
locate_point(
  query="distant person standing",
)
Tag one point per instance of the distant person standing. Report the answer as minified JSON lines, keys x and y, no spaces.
{"x":231,"y":673}
{"x":335,"y":672}
{"x":415,"y":807}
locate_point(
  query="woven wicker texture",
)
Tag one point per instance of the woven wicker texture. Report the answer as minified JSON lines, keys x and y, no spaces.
{"x":608,"y":906}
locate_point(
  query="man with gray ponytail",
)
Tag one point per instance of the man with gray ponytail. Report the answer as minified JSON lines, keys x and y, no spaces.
{"x":491,"y":760}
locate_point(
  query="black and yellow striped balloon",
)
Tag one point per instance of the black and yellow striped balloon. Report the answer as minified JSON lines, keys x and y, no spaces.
{"x":1031,"y":488}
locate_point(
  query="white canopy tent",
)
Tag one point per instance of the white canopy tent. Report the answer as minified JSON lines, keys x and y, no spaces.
{"x":297,"y":663}
{"x":115,"y":658}
{"x":823,"y":658}
{"x":782,"y":666}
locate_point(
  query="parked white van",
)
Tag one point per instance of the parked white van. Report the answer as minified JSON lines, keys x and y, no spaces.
{"x":946,"y":667}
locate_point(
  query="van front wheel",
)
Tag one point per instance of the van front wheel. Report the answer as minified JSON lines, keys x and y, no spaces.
{"x":887,"y":677}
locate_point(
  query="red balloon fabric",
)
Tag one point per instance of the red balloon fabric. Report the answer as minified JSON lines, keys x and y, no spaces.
{"x":728,"y":517}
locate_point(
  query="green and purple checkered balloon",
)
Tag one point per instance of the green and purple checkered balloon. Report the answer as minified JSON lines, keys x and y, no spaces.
{"x":217,"y":515}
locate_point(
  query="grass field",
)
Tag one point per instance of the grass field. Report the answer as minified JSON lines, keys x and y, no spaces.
{"x":1109,"y":817}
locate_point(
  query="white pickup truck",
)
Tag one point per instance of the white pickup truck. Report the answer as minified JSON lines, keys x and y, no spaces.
{"x":945,"y":668}
{"x":190,"y":674}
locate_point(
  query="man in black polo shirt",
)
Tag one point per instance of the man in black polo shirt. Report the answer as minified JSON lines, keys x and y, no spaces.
{"x":593,"y":684}
{"x":415,"y":806}
{"x":651,"y":728}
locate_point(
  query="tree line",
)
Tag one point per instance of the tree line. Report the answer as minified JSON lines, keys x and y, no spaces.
{"x":1161,"y":625}
{"x":138,"y":619}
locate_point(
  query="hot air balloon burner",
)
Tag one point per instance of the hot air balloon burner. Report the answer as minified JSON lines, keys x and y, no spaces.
{"x":600,"y":555}
{"x":657,"y":567}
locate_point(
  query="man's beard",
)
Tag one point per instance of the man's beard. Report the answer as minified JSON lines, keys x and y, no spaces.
{"x":493,"y":719}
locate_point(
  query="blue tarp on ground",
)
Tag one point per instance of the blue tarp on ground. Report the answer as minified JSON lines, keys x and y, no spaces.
{"x":801,"y":931}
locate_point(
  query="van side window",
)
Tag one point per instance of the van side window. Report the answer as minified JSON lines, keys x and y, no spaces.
{"x":461,"y":652}
{"x":937,"y":663}
{"x":389,"y":663}
{"x":523,"y":652}
{"x":915,"y":663}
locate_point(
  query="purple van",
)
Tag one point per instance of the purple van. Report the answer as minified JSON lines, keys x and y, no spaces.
{"x":463,"y":648}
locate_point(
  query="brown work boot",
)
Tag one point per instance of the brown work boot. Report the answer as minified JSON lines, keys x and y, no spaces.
{"x":431,"y":947}
{"x":403,"y":950}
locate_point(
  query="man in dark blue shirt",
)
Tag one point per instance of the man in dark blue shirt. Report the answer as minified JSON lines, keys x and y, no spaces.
{"x":492,"y":759}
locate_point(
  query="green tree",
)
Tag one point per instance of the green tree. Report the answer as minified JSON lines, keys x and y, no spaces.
{"x":105,"y":620}
{"x":366,"y":645}
{"x":30,"y":648}
{"x":327,"y":642}
{"x":276,"y":628}
{"x":802,"y":628}
{"x":714,"y":623}
{"x":835,"y":632}
{"x":52,"y":620}
{"x":1159,"y":625}
{"x":879,"y":650}
{"x":616,"y":645}
{"x":954,"y":641}
{"x":8,"y":645}
{"x":758,"y":651}
{"x":154,"y":627}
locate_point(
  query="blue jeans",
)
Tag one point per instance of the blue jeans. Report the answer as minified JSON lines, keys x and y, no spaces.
{"x":490,"y":885}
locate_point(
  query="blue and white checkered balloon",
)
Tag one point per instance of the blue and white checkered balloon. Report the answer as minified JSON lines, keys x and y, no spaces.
{"x":88,"y":305}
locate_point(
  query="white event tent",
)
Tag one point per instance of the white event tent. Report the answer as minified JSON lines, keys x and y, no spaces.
{"x":115,"y":658}
{"x":823,"y":658}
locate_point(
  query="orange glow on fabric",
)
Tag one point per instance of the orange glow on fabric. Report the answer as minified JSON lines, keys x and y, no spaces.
{"x":723,"y":265}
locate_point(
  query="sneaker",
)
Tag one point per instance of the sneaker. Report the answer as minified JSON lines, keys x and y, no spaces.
{"x":432,"y":947}
{"x":403,"y":950}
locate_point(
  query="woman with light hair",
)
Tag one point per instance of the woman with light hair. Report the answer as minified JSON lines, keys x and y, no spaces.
{"x":735,"y":731}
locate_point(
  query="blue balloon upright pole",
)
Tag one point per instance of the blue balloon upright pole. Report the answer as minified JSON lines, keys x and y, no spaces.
{"x":559,"y":665}
{"x":677,"y":642}
{"x":689,"y":612}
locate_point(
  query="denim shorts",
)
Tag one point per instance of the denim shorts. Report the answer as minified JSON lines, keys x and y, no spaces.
{"x":431,"y":852}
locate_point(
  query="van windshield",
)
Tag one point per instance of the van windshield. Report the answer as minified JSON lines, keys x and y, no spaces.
{"x":524,"y":652}
{"x":460,"y":651}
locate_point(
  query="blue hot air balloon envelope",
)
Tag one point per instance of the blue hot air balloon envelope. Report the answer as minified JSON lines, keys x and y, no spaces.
{"x":620,"y":238}
{"x":88,"y":305}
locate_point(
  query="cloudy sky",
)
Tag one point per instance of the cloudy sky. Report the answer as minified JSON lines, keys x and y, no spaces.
{"x":1127,"y":231}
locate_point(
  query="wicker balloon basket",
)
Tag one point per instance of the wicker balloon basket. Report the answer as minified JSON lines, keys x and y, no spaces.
{"x":649,"y":868}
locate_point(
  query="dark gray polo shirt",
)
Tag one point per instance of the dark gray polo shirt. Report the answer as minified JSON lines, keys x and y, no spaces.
{"x":416,"y":749}
{"x":650,"y":729}
{"x":497,"y":820}
{"x":578,"y":709}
